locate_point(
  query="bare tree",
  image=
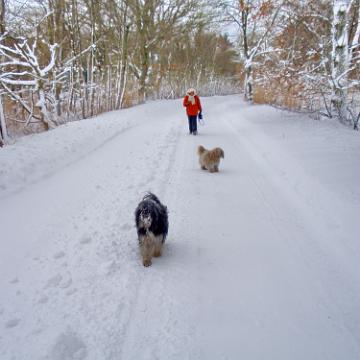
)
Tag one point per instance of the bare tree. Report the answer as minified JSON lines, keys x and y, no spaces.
{"x":154,"y":21}
{"x":118,"y":12}
{"x":256,"y":21}
{"x":24,"y":57}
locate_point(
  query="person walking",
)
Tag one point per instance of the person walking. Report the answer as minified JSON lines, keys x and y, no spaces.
{"x":193,"y":109}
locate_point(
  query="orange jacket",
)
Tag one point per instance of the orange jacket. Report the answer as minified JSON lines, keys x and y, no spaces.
{"x":192,"y":109}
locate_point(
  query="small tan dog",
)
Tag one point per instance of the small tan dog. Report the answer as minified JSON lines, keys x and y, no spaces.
{"x":210,"y":159}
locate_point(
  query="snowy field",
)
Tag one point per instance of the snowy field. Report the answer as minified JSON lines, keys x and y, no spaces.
{"x":262,"y":258}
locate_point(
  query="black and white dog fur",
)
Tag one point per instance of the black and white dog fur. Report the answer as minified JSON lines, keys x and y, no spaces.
{"x":152,"y":225}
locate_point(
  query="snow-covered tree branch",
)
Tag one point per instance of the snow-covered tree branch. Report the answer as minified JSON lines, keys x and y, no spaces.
{"x":23,"y":55}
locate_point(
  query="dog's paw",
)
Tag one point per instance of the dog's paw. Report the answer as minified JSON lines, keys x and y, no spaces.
{"x":157,"y":253}
{"x":147,"y":263}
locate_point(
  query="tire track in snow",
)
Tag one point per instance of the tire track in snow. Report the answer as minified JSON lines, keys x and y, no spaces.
{"x":105,"y":236}
{"x":50,"y":173}
{"x":155,"y":330}
{"x":299,"y":227}
{"x":155,"y":165}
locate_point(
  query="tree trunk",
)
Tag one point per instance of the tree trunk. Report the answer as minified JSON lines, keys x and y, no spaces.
{"x":144,"y":73}
{"x":340,"y":57}
{"x":248,"y":88}
{"x":124,"y":63}
{"x":47,"y":117}
{"x":2,"y":16}
{"x":57,"y":33}
{"x":3,"y":129}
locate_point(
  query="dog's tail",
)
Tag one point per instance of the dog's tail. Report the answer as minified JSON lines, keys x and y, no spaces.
{"x":151,"y":196}
{"x":200,"y":150}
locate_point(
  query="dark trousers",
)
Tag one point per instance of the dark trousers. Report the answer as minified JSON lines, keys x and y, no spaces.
{"x":192,"y":123}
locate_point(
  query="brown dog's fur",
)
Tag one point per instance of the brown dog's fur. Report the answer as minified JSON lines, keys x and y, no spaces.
{"x":210,"y":159}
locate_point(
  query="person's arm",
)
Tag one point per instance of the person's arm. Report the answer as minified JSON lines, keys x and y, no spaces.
{"x":186,"y":101}
{"x":199,"y":104}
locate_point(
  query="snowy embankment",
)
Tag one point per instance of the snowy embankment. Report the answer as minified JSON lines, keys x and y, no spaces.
{"x":261,"y":260}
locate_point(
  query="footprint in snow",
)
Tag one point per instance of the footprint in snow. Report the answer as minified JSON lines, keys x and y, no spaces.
{"x":85,"y":240}
{"x":66,"y":282}
{"x":12,"y":323}
{"x":54,"y":281}
{"x":14,"y":281}
{"x":107,"y":268}
{"x":59,"y":255}
{"x":59,"y":281}
{"x":69,"y":346}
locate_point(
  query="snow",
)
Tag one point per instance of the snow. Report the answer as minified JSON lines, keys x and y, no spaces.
{"x":261,"y":259}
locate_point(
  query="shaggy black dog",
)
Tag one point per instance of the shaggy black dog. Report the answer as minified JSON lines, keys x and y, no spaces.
{"x":152,"y":225}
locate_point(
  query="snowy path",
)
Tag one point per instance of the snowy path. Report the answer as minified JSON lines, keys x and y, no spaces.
{"x":261,"y":260}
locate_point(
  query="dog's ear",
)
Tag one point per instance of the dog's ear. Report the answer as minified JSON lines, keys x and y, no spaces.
{"x":220,"y":152}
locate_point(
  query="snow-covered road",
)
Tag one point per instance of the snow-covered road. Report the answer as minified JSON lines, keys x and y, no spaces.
{"x":261,"y":260}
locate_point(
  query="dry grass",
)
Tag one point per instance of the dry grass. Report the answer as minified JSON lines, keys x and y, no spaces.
{"x":277,"y":94}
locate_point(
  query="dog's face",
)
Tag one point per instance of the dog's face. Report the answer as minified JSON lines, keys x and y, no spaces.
{"x":151,"y":215}
{"x":145,"y":217}
{"x":218,"y":153}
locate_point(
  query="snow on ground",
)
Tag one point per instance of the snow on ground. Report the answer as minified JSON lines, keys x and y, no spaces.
{"x":261,"y":260}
